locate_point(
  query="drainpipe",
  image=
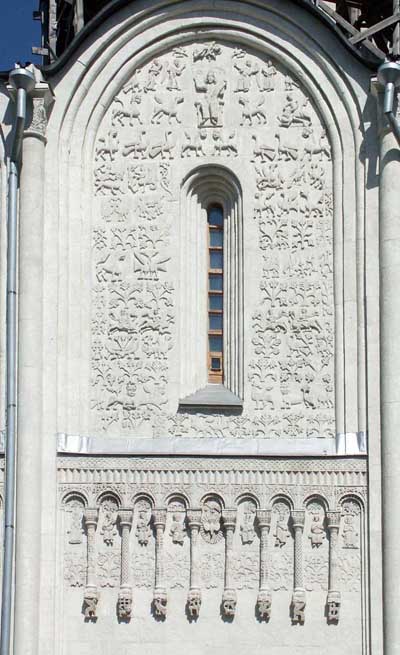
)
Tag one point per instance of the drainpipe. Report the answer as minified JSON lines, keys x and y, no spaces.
{"x":389,"y":77}
{"x":23,"y":82}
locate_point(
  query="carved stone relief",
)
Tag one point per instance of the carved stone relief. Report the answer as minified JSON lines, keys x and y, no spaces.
{"x":75,"y":560}
{"x":316,"y":548}
{"x":108,"y":543}
{"x":303,"y":540}
{"x":281,"y":551}
{"x":173,"y":109}
{"x":210,"y":528}
{"x":349,"y":561}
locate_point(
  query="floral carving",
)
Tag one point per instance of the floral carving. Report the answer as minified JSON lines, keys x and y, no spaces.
{"x":109,"y":569}
{"x":75,"y":570}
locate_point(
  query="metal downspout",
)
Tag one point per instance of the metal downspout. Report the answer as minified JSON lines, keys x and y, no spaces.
{"x":24,"y":82}
{"x":389,"y":77}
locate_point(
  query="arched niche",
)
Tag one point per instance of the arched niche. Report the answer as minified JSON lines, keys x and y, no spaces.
{"x":205,"y":186}
{"x":310,"y":61}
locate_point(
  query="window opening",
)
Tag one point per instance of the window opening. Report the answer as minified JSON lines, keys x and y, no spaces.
{"x":215,"y":219}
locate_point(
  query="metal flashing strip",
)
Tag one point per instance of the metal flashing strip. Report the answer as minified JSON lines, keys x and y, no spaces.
{"x":343,"y":445}
{"x":351,"y":443}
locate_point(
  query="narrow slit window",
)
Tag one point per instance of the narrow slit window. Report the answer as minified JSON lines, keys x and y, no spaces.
{"x":215,"y":219}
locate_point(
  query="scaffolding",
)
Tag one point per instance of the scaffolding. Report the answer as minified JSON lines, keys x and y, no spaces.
{"x":370,"y":27}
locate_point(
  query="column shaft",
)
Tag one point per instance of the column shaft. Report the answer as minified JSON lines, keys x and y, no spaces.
{"x":125,"y":593}
{"x":264,"y":600}
{"x":194,"y":595}
{"x":389,"y":252}
{"x":229,"y":599}
{"x":160,"y":594}
{"x":30,"y":372}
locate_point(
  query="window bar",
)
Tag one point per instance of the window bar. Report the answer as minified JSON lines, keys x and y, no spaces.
{"x":215,"y":219}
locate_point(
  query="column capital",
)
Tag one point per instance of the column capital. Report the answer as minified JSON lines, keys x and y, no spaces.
{"x":194,"y":518}
{"x":125,"y":517}
{"x":91,"y":516}
{"x":264,"y":518}
{"x":333,"y":519}
{"x":298,"y":518}
{"x":229,"y":518}
{"x":159,"y":517}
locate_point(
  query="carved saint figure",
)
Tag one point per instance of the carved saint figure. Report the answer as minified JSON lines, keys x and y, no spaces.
{"x":75,"y":531}
{"x":246,"y":72}
{"x":177,"y":531}
{"x":172,"y":72}
{"x":211,"y":522}
{"x":350,"y":534}
{"x":143,"y":531}
{"x":317,"y":531}
{"x":209,"y":108}
{"x":282,"y":533}
{"x":247,"y":532}
{"x":108,"y":529}
{"x":152,"y":75}
{"x":265,"y":78}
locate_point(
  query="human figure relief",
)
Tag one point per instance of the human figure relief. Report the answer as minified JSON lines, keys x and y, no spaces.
{"x":173,"y":71}
{"x":246,"y":71}
{"x":152,"y":76}
{"x":282,"y":533}
{"x":108,"y":529}
{"x":143,"y":531}
{"x":317,"y":535}
{"x":211,"y":522}
{"x":209,"y":108}
{"x":177,"y":531}
{"x":266,"y":77}
{"x":247,"y":533}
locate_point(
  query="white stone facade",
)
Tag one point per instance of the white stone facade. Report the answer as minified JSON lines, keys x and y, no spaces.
{"x":143,"y":523}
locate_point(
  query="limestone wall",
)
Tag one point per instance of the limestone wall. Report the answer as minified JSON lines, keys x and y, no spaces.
{"x":214,"y":107}
{"x":164,"y":108}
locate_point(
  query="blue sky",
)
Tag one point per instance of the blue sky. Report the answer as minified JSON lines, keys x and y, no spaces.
{"x":18,"y":32}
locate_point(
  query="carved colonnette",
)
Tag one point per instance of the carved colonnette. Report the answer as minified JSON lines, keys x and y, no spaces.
{"x":268,"y":533}
{"x":125,"y":594}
